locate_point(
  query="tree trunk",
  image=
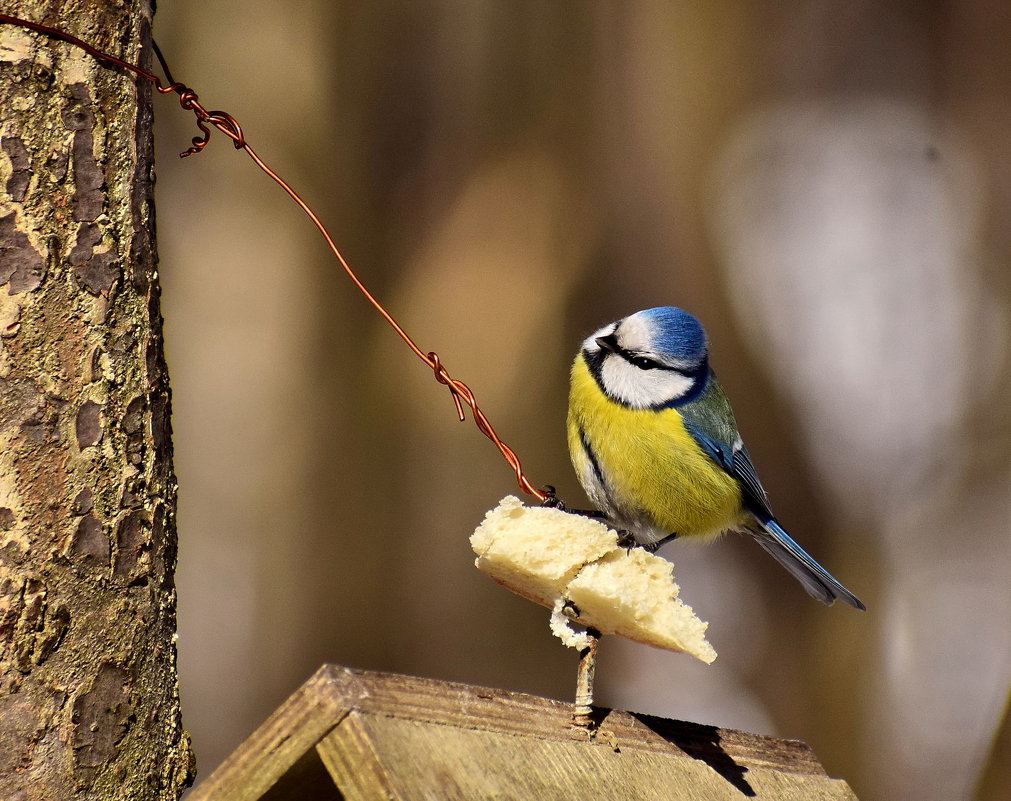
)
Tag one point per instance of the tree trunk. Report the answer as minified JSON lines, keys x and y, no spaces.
{"x":89,"y":702}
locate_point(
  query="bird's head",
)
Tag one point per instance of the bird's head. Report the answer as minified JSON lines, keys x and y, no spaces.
{"x":652,"y":359}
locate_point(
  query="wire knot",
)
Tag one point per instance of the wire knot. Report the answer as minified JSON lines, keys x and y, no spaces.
{"x":221,"y":120}
{"x":456,"y":388}
{"x":227,"y":124}
{"x":463,"y":394}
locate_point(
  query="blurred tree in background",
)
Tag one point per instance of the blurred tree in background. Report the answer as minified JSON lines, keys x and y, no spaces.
{"x":827,"y":186}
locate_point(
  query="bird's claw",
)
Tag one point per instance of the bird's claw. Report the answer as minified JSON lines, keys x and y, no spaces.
{"x":626,"y":540}
{"x":551,"y":499}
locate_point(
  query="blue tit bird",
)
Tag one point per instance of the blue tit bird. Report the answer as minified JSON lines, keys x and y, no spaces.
{"x":655,"y":445}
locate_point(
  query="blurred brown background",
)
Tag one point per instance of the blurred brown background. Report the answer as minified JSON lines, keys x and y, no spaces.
{"x":827,"y":185}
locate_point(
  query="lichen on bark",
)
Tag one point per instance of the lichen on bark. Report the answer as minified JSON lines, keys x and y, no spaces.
{"x":89,"y":701}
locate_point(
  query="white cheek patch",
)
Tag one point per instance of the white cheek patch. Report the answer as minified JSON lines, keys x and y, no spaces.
{"x":641,"y":389}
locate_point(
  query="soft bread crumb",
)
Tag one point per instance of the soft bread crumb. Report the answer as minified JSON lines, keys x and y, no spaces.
{"x":534,"y":551}
{"x":558,"y":559}
{"x":561,"y":626}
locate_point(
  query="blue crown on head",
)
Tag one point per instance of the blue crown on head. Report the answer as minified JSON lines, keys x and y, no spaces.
{"x":676,"y":332}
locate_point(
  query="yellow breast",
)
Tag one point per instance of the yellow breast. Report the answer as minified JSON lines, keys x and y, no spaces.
{"x":654,"y":472}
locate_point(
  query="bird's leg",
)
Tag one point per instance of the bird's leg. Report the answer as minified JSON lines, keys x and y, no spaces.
{"x":552,"y":501}
{"x":653,"y":547}
{"x":627,"y":540}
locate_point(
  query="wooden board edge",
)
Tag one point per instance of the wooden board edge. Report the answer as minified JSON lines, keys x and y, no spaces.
{"x":334,"y":692}
{"x":292,"y":729}
{"x":471,"y":706}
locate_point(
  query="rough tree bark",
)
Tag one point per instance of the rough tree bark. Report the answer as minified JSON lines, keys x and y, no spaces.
{"x":89,"y":704}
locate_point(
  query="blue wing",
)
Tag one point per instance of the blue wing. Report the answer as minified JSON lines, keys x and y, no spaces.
{"x":734,"y":458}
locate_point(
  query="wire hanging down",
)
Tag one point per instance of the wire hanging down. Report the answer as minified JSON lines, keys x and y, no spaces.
{"x":229,"y":126}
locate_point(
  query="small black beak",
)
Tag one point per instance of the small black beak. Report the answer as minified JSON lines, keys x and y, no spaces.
{"x":608,"y":343}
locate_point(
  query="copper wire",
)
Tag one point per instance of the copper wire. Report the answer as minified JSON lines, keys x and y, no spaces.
{"x":227,"y":124}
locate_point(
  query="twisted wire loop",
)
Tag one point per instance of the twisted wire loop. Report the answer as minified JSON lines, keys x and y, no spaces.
{"x":461,"y":393}
{"x":189,"y":101}
{"x":229,"y":126}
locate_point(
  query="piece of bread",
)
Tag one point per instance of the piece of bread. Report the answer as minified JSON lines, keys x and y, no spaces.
{"x":573,"y":563}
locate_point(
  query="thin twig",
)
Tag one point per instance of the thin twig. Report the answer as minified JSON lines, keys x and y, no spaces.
{"x":583,"y":708}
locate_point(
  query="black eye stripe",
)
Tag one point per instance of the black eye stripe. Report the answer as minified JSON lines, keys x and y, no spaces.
{"x":642,"y":362}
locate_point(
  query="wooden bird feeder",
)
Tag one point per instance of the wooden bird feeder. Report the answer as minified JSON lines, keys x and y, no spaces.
{"x":352,"y":735}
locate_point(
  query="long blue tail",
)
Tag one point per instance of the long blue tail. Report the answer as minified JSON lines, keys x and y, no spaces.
{"x":816,"y":580}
